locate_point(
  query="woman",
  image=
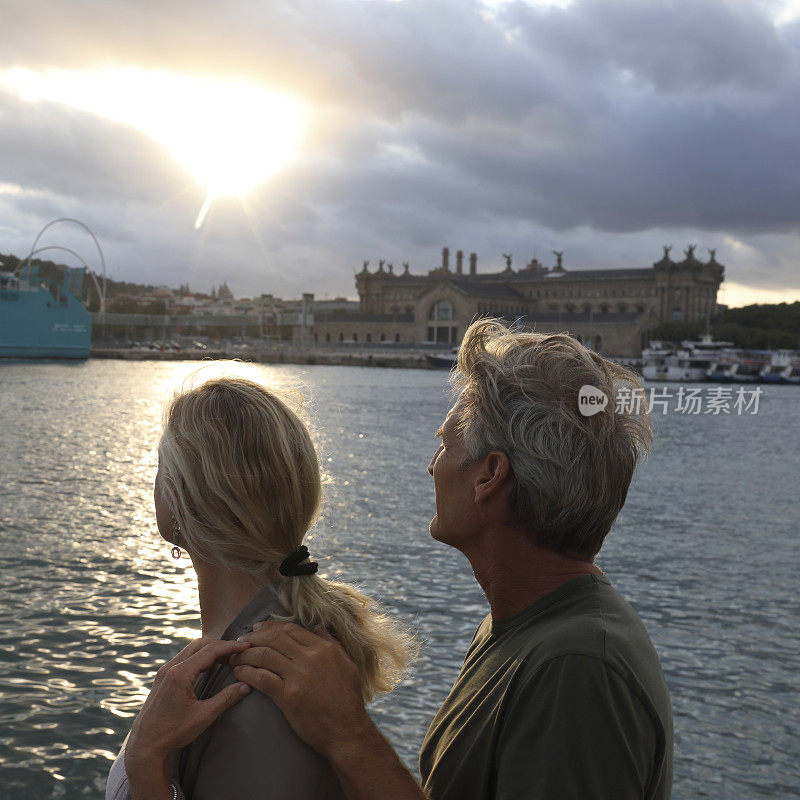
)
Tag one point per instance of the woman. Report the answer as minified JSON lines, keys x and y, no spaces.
{"x":238,"y":486}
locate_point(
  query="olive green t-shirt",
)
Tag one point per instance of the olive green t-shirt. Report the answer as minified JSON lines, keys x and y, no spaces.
{"x":564,"y":700}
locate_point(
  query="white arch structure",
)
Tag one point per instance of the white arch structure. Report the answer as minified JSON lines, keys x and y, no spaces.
{"x":100,"y":292}
{"x":97,"y":244}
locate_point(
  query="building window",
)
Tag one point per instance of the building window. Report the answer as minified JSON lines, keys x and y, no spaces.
{"x":355,"y":337}
{"x":341,"y":337}
{"x":369,"y":337}
{"x":677,"y":313}
{"x":397,"y":337}
{"x":598,"y":343}
{"x":442,"y":311}
{"x":327,"y":337}
{"x":383,"y":337}
{"x":440,"y":317}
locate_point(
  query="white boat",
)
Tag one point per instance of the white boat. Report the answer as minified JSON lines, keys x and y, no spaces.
{"x":690,"y":362}
{"x":746,"y":370}
{"x":720,"y":371}
{"x":780,"y":367}
{"x":654,"y":360}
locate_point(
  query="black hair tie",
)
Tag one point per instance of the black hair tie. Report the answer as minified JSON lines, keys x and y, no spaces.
{"x":291,"y":566}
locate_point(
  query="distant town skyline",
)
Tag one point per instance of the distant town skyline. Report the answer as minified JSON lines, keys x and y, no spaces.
{"x":278,"y":147}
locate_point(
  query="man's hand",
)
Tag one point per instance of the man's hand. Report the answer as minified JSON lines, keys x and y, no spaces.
{"x":172,"y":716}
{"x":317,"y":687}
{"x":311,"y":680}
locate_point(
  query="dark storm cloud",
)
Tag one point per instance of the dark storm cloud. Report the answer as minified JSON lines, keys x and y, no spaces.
{"x":436,"y":122}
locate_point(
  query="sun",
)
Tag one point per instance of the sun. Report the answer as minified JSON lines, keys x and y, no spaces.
{"x":229,"y":134}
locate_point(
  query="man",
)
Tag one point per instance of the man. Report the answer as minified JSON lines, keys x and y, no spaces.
{"x":561,"y":694}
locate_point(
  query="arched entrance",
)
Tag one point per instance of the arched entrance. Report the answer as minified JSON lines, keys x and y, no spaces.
{"x":441,"y":319}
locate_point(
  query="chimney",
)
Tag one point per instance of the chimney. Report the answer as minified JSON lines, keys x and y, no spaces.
{"x":460,"y":261}
{"x":446,"y":259}
{"x":473,"y":263}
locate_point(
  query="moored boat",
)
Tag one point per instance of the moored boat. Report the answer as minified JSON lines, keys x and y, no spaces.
{"x":720,"y":371}
{"x":442,"y":360}
{"x":690,"y":362}
{"x":746,"y":370}
{"x":780,"y":367}
{"x":654,"y":360}
{"x":42,"y":318}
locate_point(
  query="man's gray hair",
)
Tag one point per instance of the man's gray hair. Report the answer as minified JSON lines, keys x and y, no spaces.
{"x":519,"y":395}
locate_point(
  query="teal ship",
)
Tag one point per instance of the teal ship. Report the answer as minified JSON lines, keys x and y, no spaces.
{"x":42,"y":318}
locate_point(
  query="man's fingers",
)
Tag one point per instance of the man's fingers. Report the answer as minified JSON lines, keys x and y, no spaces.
{"x":265,"y":681}
{"x":263,"y":658}
{"x":224,"y":699}
{"x":204,"y":659}
{"x":189,"y":650}
{"x":286,"y":637}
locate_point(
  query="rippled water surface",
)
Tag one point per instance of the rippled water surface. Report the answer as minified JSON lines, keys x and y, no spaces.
{"x":707,"y":550}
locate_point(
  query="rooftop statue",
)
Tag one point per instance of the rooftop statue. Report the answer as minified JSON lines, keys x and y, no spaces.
{"x":559,"y":254}
{"x":405,"y":268}
{"x":712,"y":251}
{"x":689,"y":251}
{"x":507,"y":257}
{"x":667,"y":248}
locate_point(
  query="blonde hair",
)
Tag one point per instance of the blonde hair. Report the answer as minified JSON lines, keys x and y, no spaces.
{"x":519,"y":395}
{"x":242,"y":478}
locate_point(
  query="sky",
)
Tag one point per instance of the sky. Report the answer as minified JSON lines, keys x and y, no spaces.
{"x":316,"y":134}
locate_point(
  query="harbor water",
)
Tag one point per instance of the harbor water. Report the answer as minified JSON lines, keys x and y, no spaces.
{"x":707,"y":550}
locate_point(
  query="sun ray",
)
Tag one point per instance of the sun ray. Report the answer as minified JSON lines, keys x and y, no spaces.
{"x":204,"y":210}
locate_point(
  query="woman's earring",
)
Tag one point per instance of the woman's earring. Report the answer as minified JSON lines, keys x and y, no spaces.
{"x":176,"y":531}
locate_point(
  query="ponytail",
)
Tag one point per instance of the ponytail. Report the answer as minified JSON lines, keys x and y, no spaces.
{"x":378,"y":645}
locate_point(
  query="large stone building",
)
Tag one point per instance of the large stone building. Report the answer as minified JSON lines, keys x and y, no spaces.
{"x":611,"y":310}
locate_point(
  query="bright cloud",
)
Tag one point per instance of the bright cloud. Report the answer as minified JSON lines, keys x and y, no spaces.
{"x":230,"y":135}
